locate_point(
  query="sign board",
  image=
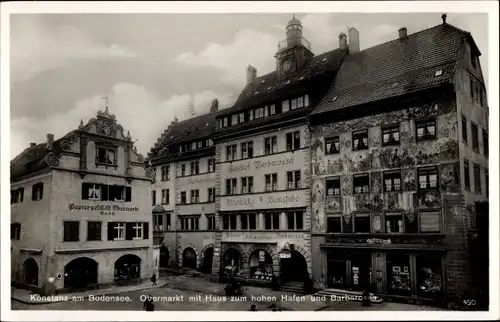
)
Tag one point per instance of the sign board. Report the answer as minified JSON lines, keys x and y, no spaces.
{"x":285,"y":255}
{"x":274,"y":200}
{"x":263,"y":237}
{"x":105,"y":210}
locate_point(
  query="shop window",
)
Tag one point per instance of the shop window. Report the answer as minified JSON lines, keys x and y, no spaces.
{"x":94,"y":230}
{"x":293,"y":179}
{"x":427,"y":178}
{"x":336,"y":270}
{"x":475,"y":137}
{"x":392,"y":181}
{"x":430,"y":221}
{"x":398,"y":274}
{"x":293,"y":141}
{"x":270,"y":145}
{"x":394,"y":223}
{"x":272,"y":220}
{"x":37,"y":192}
{"x":426,"y":130}
{"x":15,"y":231}
{"x":183,"y":198}
{"x":334,"y":224}
{"x":247,"y":150}
{"x":333,"y":186}
{"x":231,"y":186}
{"x":362,"y":223}
{"x":390,"y":135}
{"x":332,"y":145}
{"x":261,"y":265}
{"x":361,"y":183}
{"x":466,"y":174}
{"x":248,"y":221}
{"x":429,"y":276}
{"x":360,"y":140}
{"x":71,"y":231}
{"x":295,"y":220}
{"x":210,"y":222}
{"x":247,"y":185}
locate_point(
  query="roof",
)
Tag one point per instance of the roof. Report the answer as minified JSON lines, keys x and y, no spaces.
{"x":394,"y":68}
{"x":268,"y":88}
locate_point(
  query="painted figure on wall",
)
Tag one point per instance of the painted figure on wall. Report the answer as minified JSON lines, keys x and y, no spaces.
{"x":318,"y":204}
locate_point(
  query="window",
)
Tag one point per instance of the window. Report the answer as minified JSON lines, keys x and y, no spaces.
{"x":183,"y":198}
{"x":211,"y":165}
{"x":293,"y":179}
{"x":426,"y":130}
{"x":362,"y":223}
{"x":271,"y":181}
{"x":486,"y":148}
{"x":138,"y":230}
{"x":250,"y":115}
{"x":427,"y":178}
{"x":195,"y":167}
{"x":272,"y":109}
{"x":300,"y":102}
{"x":165,"y":172}
{"x":191,"y":223}
{"x":293,"y":141}
{"x":392,"y":181}
{"x":270,"y":145}
{"x":94,"y":229}
{"x":231,"y":186}
{"x":229,"y":222}
{"x":285,"y":106}
{"x":225,"y":122}
{"x":464,"y":129}
{"x":390,"y":135}
{"x":248,"y":221}
{"x":333,"y":186}
{"x":332,"y":145}
{"x":15,"y":231}
{"x":394,"y":223}
{"x":210,"y":222}
{"x":211,"y":194}
{"x":272,"y":220}
{"x":165,"y":196}
{"x":360,"y":140}
{"x":247,"y":185}
{"x":466,"y":175}
{"x":334,"y":224}
{"x":241,"y":118}
{"x":199,"y":144}
{"x":106,"y":156}
{"x":306,"y":100}
{"x":93,"y":191}
{"x":183,"y":170}
{"x":247,"y":150}
{"x":231,"y":152}
{"x":293,"y":104}
{"x":193,"y":145}
{"x":71,"y":231}
{"x":17,"y":195}
{"x":487,"y":181}
{"x":361,"y":183}
{"x":234,"y":119}
{"x":430,"y":221}
{"x":477,"y":178}
{"x":475,"y":137}
{"x":37,"y":192}
{"x":116,"y":231}
{"x":158,"y":223}
{"x":472,"y":88}
{"x":153,"y":198}
{"x":195,"y":196}
{"x":295,"y":220}
{"x":259,"y":112}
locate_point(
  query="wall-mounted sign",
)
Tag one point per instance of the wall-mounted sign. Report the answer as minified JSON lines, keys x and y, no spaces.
{"x":263,"y":237}
{"x":262,"y":256}
{"x":209,"y":180}
{"x":275,"y":200}
{"x":280,"y":162}
{"x":105,"y":210}
{"x":285,"y":255}
{"x":378,"y":241}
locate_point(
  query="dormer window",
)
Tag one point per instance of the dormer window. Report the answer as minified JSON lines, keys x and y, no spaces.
{"x":259,"y":112}
{"x":438,"y":73}
{"x":241,"y":117}
{"x":272,"y":109}
{"x":285,"y":106}
{"x":225,"y":122}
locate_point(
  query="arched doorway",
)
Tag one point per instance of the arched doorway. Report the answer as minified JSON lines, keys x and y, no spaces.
{"x":261,"y":265}
{"x":30,"y":271}
{"x":189,"y":258}
{"x":164,"y":256}
{"x":207,"y":260}
{"x":128,"y":268}
{"x":294,"y":268}
{"x":80,"y":273}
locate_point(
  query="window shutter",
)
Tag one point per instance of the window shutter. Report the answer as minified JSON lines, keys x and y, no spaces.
{"x":146,"y":230}
{"x":129,"y":231}
{"x":41,"y":191}
{"x":85,"y":190}
{"x":105,"y":193}
{"x":22,"y":194}
{"x":128,"y":193}
{"x":111,"y":230}
{"x":33,"y":189}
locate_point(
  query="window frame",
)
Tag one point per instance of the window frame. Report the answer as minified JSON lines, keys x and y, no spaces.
{"x":392,"y":175}
{"x":363,"y":215}
{"x":464,"y":130}
{"x":425,"y":125}
{"x":466,"y":175}
{"x":476,"y":168}
{"x":359,"y":135}
{"x":474,"y":136}
{"x":391,"y":130}
{"x":100,"y":230}
{"x":332,"y":140}
{"x":357,"y":176}
{"x":391,"y":215}
{"x":427,"y":171}
{"x":333,"y":179}
{"x":69,"y":222}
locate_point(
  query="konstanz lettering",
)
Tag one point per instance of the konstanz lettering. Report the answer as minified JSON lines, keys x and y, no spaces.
{"x":51,"y":298}
{"x":72,"y":206}
{"x":285,"y":199}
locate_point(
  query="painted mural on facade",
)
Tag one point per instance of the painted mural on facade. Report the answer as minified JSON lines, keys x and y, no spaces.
{"x":318,"y":206}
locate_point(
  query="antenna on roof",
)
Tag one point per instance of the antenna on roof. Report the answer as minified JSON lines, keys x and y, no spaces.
{"x":191,"y":105}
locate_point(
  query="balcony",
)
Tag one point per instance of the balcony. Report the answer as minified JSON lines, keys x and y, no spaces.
{"x":284,"y":43}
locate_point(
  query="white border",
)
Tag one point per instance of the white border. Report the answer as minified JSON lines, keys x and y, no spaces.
{"x":450,"y":7}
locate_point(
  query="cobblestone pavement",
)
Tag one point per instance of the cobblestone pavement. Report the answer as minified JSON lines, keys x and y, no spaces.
{"x":184,"y":293}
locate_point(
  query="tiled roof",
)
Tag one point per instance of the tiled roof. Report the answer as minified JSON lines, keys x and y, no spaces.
{"x":268,"y":88}
{"x":396,"y":67}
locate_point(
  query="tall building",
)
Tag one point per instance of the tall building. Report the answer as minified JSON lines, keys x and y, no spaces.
{"x":80,"y":211}
{"x":399,"y":154}
{"x":183,"y":192}
{"x":262,"y":165}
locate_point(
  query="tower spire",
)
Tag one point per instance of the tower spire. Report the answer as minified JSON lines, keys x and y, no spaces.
{"x":191,"y":105}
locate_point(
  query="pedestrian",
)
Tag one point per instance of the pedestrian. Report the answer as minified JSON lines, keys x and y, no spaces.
{"x":365,"y":301}
{"x":153,"y":279}
{"x":253,"y":308}
{"x":148,"y":304}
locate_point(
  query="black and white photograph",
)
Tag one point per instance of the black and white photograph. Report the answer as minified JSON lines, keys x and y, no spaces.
{"x":320,"y":160}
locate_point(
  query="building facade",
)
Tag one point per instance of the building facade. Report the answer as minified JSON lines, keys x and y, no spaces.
{"x":398,"y":165}
{"x":87,"y":222}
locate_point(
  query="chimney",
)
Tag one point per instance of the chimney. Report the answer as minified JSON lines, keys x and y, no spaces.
{"x":353,"y":40}
{"x":403,"y":33}
{"x":444,"y":18}
{"x":251,"y":74}
{"x":32,"y":144}
{"x":50,"y":139}
{"x":342,"y":41}
{"x":215,"y":106}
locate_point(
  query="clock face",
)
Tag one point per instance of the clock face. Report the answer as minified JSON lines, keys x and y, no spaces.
{"x":287,"y":65}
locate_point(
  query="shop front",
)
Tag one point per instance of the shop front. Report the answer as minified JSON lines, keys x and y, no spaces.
{"x":261,"y":265}
{"x":351,"y":270}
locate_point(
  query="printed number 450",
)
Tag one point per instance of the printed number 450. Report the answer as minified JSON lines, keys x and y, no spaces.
{"x":470,"y":302}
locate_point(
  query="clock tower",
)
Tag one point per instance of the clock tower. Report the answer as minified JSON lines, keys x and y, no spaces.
{"x":294,"y":51}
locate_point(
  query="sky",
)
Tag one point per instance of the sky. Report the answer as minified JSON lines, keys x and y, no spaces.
{"x":151,"y":65}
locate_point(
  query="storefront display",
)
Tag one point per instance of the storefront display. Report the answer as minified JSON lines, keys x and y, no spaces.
{"x":261,"y":265}
{"x":398,"y":271}
{"x":429,"y":276}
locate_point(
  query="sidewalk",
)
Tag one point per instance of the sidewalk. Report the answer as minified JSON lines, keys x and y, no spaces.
{"x":28,"y":297}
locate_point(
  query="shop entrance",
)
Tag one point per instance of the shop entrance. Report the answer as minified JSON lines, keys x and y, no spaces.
{"x":207,"y":260}
{"x":361,"y":271}
{"x":128,"y":268}
{"x":294,"y":268}
{"x":349,"y":270}
{"x":164,"y":256}
{"x":30,"y":271}
{"x":80,"y":273}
